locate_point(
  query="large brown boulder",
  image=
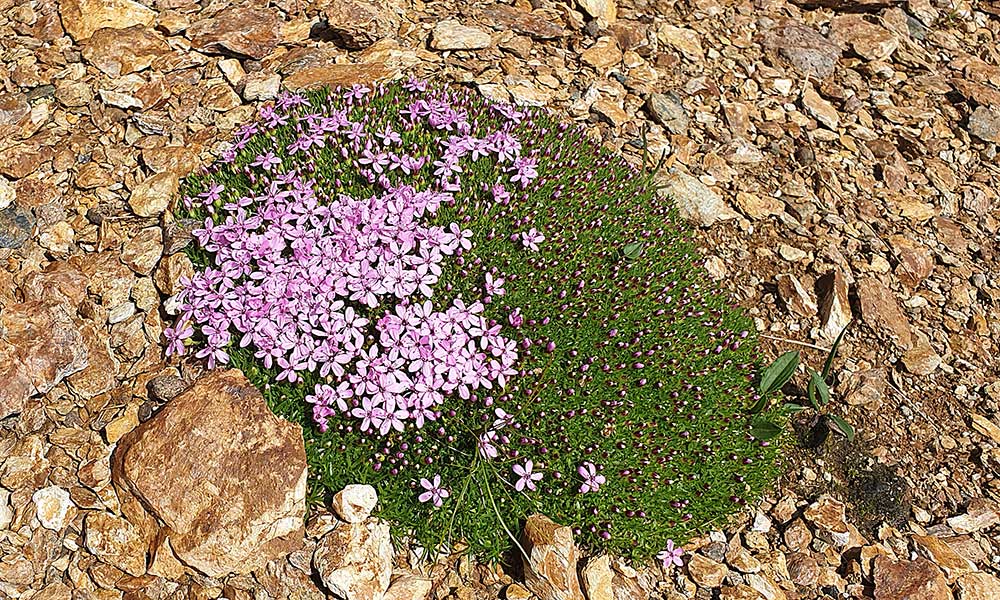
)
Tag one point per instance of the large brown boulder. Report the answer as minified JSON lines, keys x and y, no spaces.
{"x":224,"y":476}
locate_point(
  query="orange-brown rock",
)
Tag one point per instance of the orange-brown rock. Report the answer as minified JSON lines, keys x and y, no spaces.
{"x":81,"y":18}
{"x":358,"y":24}
{"x":224,"y":475}
{"x":977,"y":586}
{"x":117,"y":52}
{"x":944,"y":556}
{"x":550,"y":565}
{"x":40,"y":345}
{"x":332,"y":75}
{"x":918,"y":579}
{"x":827,"y":515}
{"x":880,"y":310}
{"x":239,"y":31}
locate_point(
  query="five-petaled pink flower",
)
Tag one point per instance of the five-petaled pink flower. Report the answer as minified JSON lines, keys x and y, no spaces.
{"x":592,"y":481}
{"x":671,"y":556}
{"x":531,"y":238}
{"x":526,"y":479}
{"x":434,"y":492}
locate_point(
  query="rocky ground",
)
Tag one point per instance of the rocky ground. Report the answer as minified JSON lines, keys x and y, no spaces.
{"x":838,"y":158}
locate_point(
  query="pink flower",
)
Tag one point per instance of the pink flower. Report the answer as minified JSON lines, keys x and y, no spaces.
{"x":494,"y":287}
{"x":176,"y":336}
{"x":531,"y":238}
{"x":434,"y":492}
{"x":671,"y":556}
{"x":485,"y":445}
{"x":592,"y":481}
{"x":526,"y":479}
{"x":266,"y":161}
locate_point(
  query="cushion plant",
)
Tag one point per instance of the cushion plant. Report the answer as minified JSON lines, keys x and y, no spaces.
{"x":477,"y":310}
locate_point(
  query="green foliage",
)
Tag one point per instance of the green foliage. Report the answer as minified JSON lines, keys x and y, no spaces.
{"x":635,"y":363}
{"x":780,"y":372}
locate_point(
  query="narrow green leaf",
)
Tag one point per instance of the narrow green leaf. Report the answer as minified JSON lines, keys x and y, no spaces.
{"x":765,"y":430}
{"x":842,"y":427}
{"x":778,"y":373}
{"x":759,"y":405}
{"x":632,"y":251}
{"x":811,"y":390}
{"x":833,"y":352}
{"x":791,"y":408}
{"x":819,"y":392}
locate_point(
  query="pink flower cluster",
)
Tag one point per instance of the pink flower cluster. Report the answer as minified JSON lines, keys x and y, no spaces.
{"x":422,"y":356}
{"x":288,"y":280}
{"x":302,"y":274}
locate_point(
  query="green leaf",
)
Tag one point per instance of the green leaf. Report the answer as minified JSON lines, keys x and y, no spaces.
{"x":759,"y":405}
{"x":842,"y":427}
{"x":791,"y":408}
{"x":778,"y":373}
{"x":632,"y":251}
{"x":819,"y":392}
{"x":765,"y":430}
{"x":833,"y":352}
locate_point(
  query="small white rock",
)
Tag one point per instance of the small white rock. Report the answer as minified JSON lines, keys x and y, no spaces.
{"x":452,"y":35}
{"x":761,"y":523}
{"x":355,"y":502}
{"x":52,"y":507}
{"x":7,"y":193}
{"x":261,"y":86}
{"x":716,"y":268}
{"x":6,"y":513}
{"x":791,"y":253}
{"x":121,"y":312}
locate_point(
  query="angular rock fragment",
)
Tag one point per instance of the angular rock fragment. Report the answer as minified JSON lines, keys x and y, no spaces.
{"x":117,"y":52}
{"x":695,"y":201}
{"x":357,"y":24}
{"x":881,"y":312}
{"x":597,"y":578}
{"x":819,"y":109}
{"x":238,"y":31}
{"x":795,"y":297}
{"x":707,"y":573}
{"x":152,"y":196}
{"x":53,"y":507}
{"x":605,"y":10}
{"x":81,"y":18}
{"x":668,"y":111}
{"x":533,"y":23}
{"x":354,"y":560}
{"x":224,"y":475}
{"x":116,"y":542}
{"x":981,"y":513}
{"x":409,"y":587}
{"x":919,"y":579}
{"x":943,"y":555}
{"x":452,"y":35}
{"x":354,"y":503}
{"x":16,"y":226}
{"x":40,"y":345}
{"x":977,"y":586}
{"x":828,"y":516}
{"x":550,"y":564}
{"x":984,"y":123}
{"x":810,"y":52}
{"x":868,"y":40}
